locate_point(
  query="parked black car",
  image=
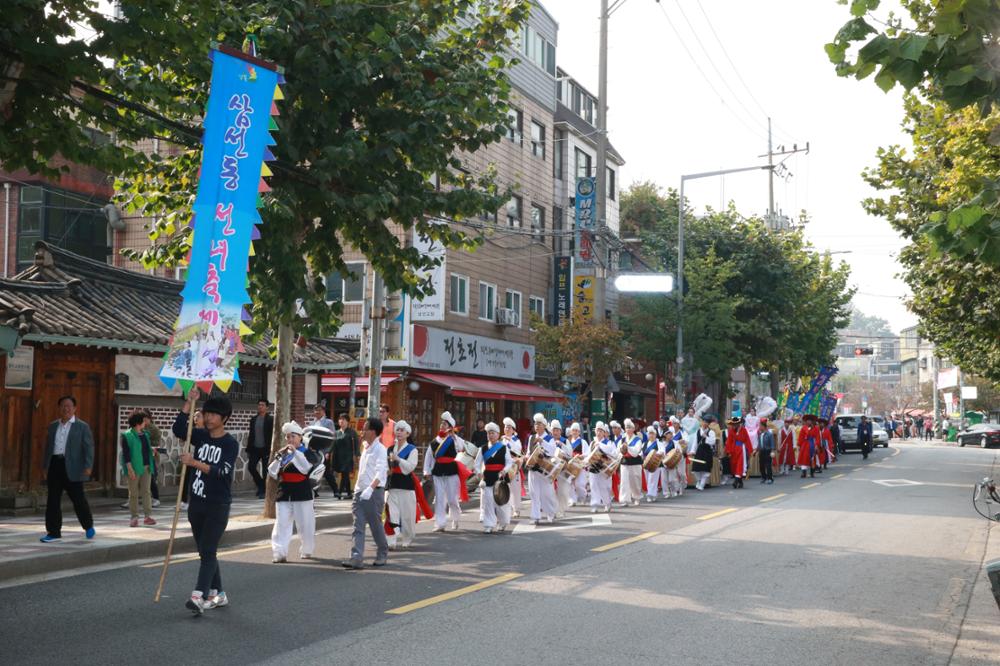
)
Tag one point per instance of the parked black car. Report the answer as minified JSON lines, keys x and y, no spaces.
{"x":982,"y":434}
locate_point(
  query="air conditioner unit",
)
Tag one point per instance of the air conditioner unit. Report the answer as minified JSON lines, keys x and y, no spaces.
{"x":507,"y":317}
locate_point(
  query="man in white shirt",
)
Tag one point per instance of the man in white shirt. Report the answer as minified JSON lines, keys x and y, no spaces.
{"x":369,"y":497}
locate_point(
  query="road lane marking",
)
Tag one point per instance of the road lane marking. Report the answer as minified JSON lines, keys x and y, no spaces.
{"x":623,"y":542}
{"x":836,"y":476}
{"x":193,"y":558}
{"x":811,"y":485}
{"x":417,"y":605}
{"x":773,"y":497}
{"x":709,"y":516}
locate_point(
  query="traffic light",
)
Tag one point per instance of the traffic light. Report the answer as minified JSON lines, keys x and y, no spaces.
{"x":863,"y":351}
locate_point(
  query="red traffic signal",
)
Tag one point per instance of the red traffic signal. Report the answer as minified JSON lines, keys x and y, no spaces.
{"x":863,"y":351}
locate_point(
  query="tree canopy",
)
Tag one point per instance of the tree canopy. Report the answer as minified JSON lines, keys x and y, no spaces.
{"x":754,"y":298}
{"x":381,"y":102}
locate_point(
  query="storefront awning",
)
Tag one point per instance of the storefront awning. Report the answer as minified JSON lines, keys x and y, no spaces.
{"x":490,"y":389}
{"x":342,"y":383}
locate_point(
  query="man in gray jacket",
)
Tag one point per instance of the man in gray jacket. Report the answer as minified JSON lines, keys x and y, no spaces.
{"x":69,"y":459}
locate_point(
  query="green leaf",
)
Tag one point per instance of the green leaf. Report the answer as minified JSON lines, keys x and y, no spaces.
{"x":885,"y":79}
{"x":913,"y":45}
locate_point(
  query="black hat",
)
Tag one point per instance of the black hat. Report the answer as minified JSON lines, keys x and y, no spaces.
{"x":218,"y":405}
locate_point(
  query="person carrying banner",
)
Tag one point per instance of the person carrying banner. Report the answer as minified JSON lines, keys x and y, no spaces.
{"x":448,"y":474}
{"x":291,"y":468}
{"x":492,"y":461}
{"x":213,"y":463}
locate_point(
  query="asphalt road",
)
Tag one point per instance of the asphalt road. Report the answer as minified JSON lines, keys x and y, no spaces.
{"x":871,"y":562}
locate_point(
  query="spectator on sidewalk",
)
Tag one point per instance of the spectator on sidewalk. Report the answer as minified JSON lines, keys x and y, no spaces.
{"x":321,"y":419}
{"x":69,"y":459}
{"x":156,"y":445}
{"x":928,"y":428}
{"x":259,"y":445}
{"x":369,"y":498}
{"x":138,"y":465}
{"x":479,"y":437}
{"x":388,"y":426}
{"x":345,"y":449}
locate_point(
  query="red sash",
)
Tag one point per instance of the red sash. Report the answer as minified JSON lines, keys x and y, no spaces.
{"x":293,"y":477}
{"x":494,"y":468}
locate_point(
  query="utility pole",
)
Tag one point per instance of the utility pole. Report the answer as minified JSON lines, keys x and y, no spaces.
{"x":598,"y":388}
{"x":378,"y":346}
{"x":772,"y":222}
{"x":961,"y":399}
{"x":936,"y":413}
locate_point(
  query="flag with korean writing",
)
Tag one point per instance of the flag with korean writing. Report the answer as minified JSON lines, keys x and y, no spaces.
{"x":206,"y":343}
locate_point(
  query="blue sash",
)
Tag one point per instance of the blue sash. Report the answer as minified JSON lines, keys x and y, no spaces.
{"x":649,"y":447}
{"x":492,"y":452}
{"x":578,"y":445}
{"x":447,"y":441}
{"x":405,"y":452}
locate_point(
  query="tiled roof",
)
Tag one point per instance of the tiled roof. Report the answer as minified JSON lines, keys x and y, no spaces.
{"x":66,"y":298}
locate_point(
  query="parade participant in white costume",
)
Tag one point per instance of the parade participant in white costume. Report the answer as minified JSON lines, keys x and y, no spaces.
{"x":563,"y":488}
{"x":676,"y":478}
{"x":630,"y":489}
{"x":703,"y":449}
{"x":752,"y":423}
{"x":600,"y":483}
{"x":654,"y":443}
{"x":513,"y":443}
{"x":291,"y":467}
{"x":440,"y":464}
{"x":492,"y":461}
{"x":578,"y":447}
{"x":540,"y":488}
{"x":402,"y":496}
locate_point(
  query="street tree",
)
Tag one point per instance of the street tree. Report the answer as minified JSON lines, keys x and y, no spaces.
{"x":946,"y":50}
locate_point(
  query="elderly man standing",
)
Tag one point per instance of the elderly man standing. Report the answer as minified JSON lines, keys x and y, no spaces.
{"x":69,"y":459}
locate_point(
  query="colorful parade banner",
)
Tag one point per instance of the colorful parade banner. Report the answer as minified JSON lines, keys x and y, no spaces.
{"x":205,"y":346}
{"x":828,"y":406}
{"x":819,"y":381}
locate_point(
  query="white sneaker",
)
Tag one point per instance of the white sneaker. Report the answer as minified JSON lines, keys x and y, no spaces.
{"x":195,"y":604}
{"x":607,"y":509}
{"x":215,"y":601}
{"x":593,"y":509}
{"x":649,"y":500}
{"x":622,"y":504}
{"x":184,"y":506}
{"x":123,"y":505}
{"x":487,"y":530}
{"x":454,"y":527}
{"x":438,"y":528}
{"x":156,"y":502}
{"x":548,"y":519}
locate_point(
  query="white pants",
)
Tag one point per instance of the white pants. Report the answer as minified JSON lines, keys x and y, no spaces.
{"x":580,"y":488}
{"x":445,"y":499}
{"x":564,"y":493}
{"x":493,"y":516}
{"x":676,"y":479}
{"x":600,"y":489}
{"x":653,"y":481}
{"x":543,"y":496}
{"x":403,"y":510}
{"x":702,"y":479}
{"x":516,"y":488}
{"x":304,"y":516}
{"x":630,"y":488}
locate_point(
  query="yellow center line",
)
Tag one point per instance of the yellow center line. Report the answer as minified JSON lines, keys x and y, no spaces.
{"x":623,"y":542}
{"x":811,"y":485}
{"x":836,"y":476}
{"x":192,"y":558}
{"x":709,"y":516}
{"x":773,"y":497}
{"x":454,"y":594}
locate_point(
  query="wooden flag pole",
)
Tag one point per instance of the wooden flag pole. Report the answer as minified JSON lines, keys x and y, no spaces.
{"x":192,"y":395}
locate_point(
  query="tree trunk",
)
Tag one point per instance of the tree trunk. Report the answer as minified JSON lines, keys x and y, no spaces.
{"x":282,"y":406}
{"x":774,"y":381}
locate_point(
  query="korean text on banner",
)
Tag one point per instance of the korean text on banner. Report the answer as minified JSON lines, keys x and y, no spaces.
{"x":205,"y":346}
{"x":563,"y":272}
{"x":431,"y":306}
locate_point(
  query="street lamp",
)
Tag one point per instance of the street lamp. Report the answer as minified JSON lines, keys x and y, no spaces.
{"x":680,"y":265}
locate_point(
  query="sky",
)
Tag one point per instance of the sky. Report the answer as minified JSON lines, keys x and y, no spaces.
{"x":669,"y":116}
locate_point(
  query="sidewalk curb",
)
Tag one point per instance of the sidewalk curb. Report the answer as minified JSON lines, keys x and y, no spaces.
{"x":183,"y":545}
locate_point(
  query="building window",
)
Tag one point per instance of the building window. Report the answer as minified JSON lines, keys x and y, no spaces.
{"x":537,"y":49}
{"x":537,"y":139}
{"x":74,"y":222}
{"x":250,"y":388}
{"x":536,"y":306}
{"x":514,"y":126}
{"x":347,"y":287}
{"x":459,"y":294}
{"x":611,"y":184}
{"x":558,"y":139}
{"x":514,"y":211}
{"x":537,"y":218}
{"x":487,"y":300}
{"x":513,"y":302}
{"x":582,"y":163}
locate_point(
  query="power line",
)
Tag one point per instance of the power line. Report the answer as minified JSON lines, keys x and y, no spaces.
{"x":704,"y":76}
